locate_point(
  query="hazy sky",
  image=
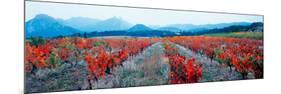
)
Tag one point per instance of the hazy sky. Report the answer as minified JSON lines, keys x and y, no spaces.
{"x":133,"y":15}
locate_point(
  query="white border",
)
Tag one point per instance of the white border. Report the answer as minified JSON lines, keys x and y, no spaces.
{"x":11,"y":51}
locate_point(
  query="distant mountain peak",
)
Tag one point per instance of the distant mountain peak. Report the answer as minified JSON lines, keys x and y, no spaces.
{"x":115,"y":19}
{"x":113,"y":23}
{"x":43,"y":16}
{"x":139,"y":27}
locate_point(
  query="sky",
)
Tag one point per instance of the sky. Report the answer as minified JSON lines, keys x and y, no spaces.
{"x":133,"y":15}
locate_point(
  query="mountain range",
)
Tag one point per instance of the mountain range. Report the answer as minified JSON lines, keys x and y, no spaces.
{"x":80,"y":23}
{"x":47,"y":26}
{"x":188,"y":27}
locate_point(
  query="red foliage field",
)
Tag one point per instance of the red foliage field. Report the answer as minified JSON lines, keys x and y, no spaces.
{"x":102,"y":56}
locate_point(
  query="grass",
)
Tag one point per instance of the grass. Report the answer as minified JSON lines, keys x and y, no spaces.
{"x":251,"y":35}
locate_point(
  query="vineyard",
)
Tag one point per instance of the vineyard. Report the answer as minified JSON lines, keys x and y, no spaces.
{"x":74,"y":63}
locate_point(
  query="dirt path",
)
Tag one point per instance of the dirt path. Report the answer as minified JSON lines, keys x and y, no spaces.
{"x":212,"y":70}
{"x":147,"y":68}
